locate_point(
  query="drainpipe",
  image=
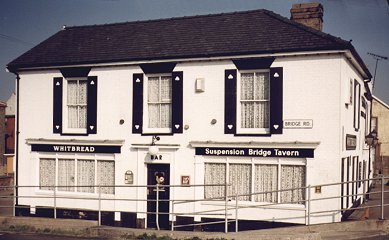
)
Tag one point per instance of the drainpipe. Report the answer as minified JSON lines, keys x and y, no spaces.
{"x":17,"y":137}
{"x":370,"y":98}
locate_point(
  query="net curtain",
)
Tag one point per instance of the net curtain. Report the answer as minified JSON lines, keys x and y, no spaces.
{"x":292,"y":177}
{"x":255,"y":94}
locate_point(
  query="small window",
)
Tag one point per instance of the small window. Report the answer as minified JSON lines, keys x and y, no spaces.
{"x":254,"y":102}
{"x":357,"y":105}
{"x":215,"y":173}
{"x":106,"y":176}
{"x":46,"y":176}
{"x":292,"y":177}
{"x":240,"y":179}
{"x":266,"y":179}
{"x":86,"y":175}
{"x":66,"y":175}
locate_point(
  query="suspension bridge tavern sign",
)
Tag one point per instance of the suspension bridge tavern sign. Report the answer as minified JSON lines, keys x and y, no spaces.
{"x":257,"y":152}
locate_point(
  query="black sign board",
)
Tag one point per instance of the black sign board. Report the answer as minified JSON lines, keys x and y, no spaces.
{"x":75,"y":148}
{"x":257,"y":152}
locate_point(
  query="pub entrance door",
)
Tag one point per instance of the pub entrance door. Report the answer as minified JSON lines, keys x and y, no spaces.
{"x":158,"y":174}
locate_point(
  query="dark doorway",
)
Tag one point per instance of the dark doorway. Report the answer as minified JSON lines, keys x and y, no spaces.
{"x":158,"y":174}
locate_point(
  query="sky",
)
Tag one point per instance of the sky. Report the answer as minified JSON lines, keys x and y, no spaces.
{"x":26,"y":23}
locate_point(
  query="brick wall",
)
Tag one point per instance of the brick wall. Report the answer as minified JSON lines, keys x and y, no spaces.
{"x":309,"y":14}
{"x":2,"y":138}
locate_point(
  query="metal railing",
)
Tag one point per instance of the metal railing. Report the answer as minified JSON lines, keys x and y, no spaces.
{"x":223,"y":206}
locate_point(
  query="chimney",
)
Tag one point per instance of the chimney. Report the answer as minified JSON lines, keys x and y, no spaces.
{"x":309,"y":14}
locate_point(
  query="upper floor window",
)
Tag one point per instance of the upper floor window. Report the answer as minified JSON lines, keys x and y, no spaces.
{"x":159,"y":103}
{"x":357,"y":105}
{"x":254,"y":102}
{"x":76,"y":106}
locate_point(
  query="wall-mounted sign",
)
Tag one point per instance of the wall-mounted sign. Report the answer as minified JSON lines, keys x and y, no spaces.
{"x":185,"y":180}
{"x":129,"y":177}
{"x":351,"y":142}
{"x":257,"y":152}
{"x":298,"y":123}
{"x":74,"y":148}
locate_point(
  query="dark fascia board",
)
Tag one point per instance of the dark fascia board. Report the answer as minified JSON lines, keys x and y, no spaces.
{"x":75,"y":72}
{"x":253,"y":63}
{"x":151,"y":68}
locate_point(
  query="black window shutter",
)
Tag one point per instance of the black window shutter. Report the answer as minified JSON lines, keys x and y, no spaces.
{"x":276,"y":100}
{"x":137,"y":103}
{"x":92,"y":105}
{"x":177,"y":101}
{"x":57,"y":105}
{"x":230,"y":101}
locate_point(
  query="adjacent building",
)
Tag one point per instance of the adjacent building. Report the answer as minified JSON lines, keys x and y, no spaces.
{"x":250,"y":98}
{"x":10,"y":134}
{"x":380,"y":118}
{"x":3,"y":105}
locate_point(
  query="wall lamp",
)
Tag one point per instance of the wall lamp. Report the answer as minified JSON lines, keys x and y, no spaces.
{"x":371,"y":139}
{"x":153,"y":149}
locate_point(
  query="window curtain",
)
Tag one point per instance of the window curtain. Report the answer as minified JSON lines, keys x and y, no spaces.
{"x":215,"y":173}
{"x":240,"y":180}
{"x":76,"y":99}
{"x":266,"y":179}
{"x":72,"y":104}
{"x":292,"y":177}
{"x":159,"y":102}
{"x":106,"y":176}
{"x":82,"y":101}
{"x":47,"y":174}
{"x":66,"y":174}
{"x":86,"y":175}
{"x":255,"y":104}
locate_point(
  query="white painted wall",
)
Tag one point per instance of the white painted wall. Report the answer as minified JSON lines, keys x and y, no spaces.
{"x":313,"y":89}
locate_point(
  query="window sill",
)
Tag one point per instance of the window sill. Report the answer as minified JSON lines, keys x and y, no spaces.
{"x":77,"y":195}
{"x":74,"y":131}
{"x":157,"y":131}
{"x":264,"y":205}
{"x":253,"y":131}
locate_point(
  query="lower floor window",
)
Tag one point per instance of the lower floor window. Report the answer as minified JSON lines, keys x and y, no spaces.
{"x":256,"y":182}
{"x":77,"y":175}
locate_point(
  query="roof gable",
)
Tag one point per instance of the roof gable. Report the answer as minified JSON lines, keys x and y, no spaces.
{"x":228,"y":34}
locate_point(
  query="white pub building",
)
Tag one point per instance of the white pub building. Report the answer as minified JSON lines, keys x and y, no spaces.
{"x":249,"y":99}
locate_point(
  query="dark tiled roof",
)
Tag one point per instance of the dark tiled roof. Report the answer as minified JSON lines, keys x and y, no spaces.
{"x":228,"y":34}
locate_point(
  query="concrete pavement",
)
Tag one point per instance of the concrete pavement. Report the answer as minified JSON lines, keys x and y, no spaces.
{"x":369,"y":229}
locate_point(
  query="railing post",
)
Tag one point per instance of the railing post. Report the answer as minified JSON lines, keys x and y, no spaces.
{"x":382,"y":197}
{"x":99,"y":205}
{"x":236,"y":212}
{"x":309,"y":205}
{"x":157,"y":208}
{"x":14,"y":200}
{"x":55,"y":201}
{"x":226,"y":209}
{"x":172,"y":228}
